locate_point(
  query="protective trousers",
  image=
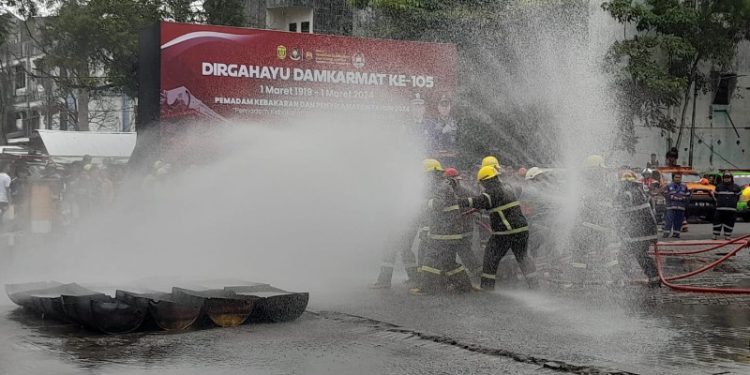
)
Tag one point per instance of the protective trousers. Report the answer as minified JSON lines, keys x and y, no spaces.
{"x":467,"y":256}
{"x":440,"y":269}
{"x":403,"y":246}
{"x":724,"y":219}
{"x":639,"y":250}
{"x":497,"y":247}
{"x":673,"y":221}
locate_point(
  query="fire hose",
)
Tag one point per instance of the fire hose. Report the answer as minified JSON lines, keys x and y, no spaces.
{"x":739,"y":243}
{"x":699,"y":289}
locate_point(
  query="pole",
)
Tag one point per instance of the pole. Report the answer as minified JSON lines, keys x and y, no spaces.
{"x":692,"y":125}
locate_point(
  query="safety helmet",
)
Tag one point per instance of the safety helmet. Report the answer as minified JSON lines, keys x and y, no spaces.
{"x":452,"y":173}
{"x":628,"y":176}
{"x":431,"y":165}
{"x":703,"y":181}
{"x":594,"y":161}
{"x":487,"y":172}
{"x":88,"y":167}
{"x":157,"y":164}
{"x":533,"y":172}
{"x":522,"y":172}
{"x":727,"y":174}
{"x":490,"y":160}
{"x":647,"y":172}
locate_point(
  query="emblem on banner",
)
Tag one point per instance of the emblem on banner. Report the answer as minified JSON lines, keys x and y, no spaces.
{"x":281,"y":52}
{"x":358,"y":60}
{"x":296,"y":55}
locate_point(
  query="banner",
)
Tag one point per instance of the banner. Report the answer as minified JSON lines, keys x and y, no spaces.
{"x":218,"y":73}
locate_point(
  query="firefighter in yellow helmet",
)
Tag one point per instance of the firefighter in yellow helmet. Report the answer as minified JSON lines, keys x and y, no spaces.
{"x":444,"y":239}
{"x":510,"y":230}
{"x":491,"y":161}
{"x":403,"y":242}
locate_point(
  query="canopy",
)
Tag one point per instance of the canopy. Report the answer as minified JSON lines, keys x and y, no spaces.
{"x":69,"y":146}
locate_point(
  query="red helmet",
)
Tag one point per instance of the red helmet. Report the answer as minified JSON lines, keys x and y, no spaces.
{"x":522,"y":172}
{"x":452,"y":173}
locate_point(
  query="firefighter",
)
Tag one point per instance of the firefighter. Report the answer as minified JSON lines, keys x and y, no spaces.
{"x":447,"y":234}
{"x":594,"y":227}
{"x":636,"y":225}
{"x":727,"y":195}
{"x":465,"y":253}
{"x":677,"y":196}
{"x":510,"y":230}
{"x":403,"y":244}
{"x":492,"y":161}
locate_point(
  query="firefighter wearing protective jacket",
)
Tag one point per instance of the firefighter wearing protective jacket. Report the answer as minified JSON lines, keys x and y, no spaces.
{"x":727,"y":195}
{"x":402,"y":245}
{"x":465,"y":253}
{"x":595,"y":227}
{"x":678,"y":197}
{"x":447,"y":234}
{"x":510,"y":230}
{"x":636,"y":225}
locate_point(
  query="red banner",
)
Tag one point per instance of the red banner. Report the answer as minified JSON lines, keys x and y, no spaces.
{"x":217,"y":72}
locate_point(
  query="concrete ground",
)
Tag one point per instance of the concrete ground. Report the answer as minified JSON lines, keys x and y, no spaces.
{"x":593,"y":329}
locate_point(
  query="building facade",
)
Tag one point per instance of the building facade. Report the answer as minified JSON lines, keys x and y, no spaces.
{"x":30,"y":99}
{"x":302,"y":16}
{"x":721,"y":137}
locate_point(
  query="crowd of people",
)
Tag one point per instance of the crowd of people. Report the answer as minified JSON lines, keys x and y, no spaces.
{"x":58,"y":195}
{"x":516,"y":211}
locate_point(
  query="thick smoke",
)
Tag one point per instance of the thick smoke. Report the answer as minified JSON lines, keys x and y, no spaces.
{"x":307,"y":205}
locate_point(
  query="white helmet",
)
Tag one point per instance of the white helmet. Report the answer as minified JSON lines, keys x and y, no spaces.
{"x":533,"y":172}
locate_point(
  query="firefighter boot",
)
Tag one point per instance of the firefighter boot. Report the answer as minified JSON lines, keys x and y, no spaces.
{"x":384,"y":278}
{"x":413,"y":275}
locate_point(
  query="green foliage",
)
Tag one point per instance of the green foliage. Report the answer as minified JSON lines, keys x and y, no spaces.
{"x":660,"y":64}
{"x":225,"y":12}
{"x":93,"y":44}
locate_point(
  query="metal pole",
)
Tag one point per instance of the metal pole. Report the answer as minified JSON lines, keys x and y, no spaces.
{"x":692,"y":126}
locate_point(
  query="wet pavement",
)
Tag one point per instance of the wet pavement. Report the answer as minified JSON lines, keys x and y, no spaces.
{"x":596,"y":329}
{"x":313,"y":344}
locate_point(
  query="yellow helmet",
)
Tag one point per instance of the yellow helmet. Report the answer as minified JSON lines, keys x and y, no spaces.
{"x":431,"y":165}
{"x":490,"y":160}
{"x":628,"y":176}
{"x":594,"y":161}
{"x":487,"y":172}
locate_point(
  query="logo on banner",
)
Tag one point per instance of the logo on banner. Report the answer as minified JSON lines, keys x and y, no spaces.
{"x":296,"y":55}
{"x":358,"y":60}
{"x":281,"y":52}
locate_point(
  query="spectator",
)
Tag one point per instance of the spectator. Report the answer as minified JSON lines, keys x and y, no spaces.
{"x":653,"y":163}
{"x":671,"y":157}
{"x":4,"y":192}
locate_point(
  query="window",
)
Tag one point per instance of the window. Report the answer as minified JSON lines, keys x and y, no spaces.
{"x":293,"y":27}
{"x":305,"y":27}
{"x":19,"y":76}
{"x":725,"y":89}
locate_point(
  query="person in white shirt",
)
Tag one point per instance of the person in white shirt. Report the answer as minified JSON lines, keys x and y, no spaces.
{"x":4,"y":191}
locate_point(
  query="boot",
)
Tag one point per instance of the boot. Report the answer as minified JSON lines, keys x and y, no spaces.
{"x":413,"y":277}
{"x":384,"y":278}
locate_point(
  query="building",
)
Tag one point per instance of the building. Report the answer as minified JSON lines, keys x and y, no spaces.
{"x":302,"y":16}
{"x":29,"y":100}
{"x":721,"y":137}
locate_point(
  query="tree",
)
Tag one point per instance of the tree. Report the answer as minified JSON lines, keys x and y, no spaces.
{"x":225,"y":12}
{"x":91,"y":46}
{"x":661,"y":65}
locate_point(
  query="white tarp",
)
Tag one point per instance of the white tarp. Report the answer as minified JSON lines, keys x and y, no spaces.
{"x":68,"y":146}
